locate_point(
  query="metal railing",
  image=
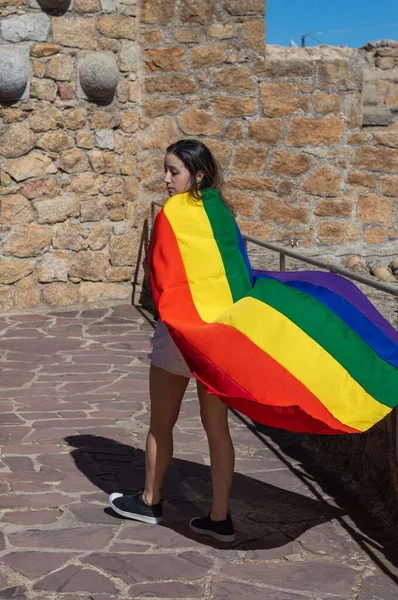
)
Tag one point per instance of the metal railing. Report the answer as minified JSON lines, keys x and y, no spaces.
{"x":284,"y":252}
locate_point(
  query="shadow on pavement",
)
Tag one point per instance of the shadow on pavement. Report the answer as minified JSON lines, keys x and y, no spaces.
{"x":372,"y":536}
{"x":265,"y":516}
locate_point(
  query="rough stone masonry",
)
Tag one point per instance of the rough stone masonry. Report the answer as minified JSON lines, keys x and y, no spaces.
{"x":308,"y":138}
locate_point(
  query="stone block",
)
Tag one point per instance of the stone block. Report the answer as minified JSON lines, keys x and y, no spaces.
{"x":73,"y":161}
{"x":160,"y":134}
{"x":324,"y":181}
{"x":105,"y":139}
{"x":76,"y":118}
{"x":27,"y":293}
{"x":170,"y":84}
{"x":94,"y":291}
{"x":389,"y":185}
{"x":157,"y":11}
{"x":89,"y":266}
{"x":168,"y":59}
{"x":344,"y":76}
{"x":31,"y":165}
{"x":22,"y":28}
{"x":222,"y":31}
{"x":376,"y":116}
{"x":60,"y":68}
{"x":12,"y":270}
{"x":339,"y":232}
{"x":99,"y":236}
{"x":55,"y":141}
{"x":40,"y":187}
{"x":254,"y":34}
{"x":7,"y":295}
{"x":266,"y":131}
{"x":85,"y":139}
{"x":375,"y":210}
{"x":275,"y":210}
{"x":376,"y":159}
{"x":93,"y":209}
{"x":202,"y":12}
{"x":234,"y":79}
{"x":75,"y":32}
{"x":377,"y":235}
{"x":263,"y":184}
{"x":53,"y":267}
{"x":27,"y":240}
{"x":40,"y":50}
{"x":129,"y":121}
{"x":16,"y":210}
{"x":69,"y":235}
{"x":115,"y":274}
{"x":117,"y":26}
{"x":249,"y":159}
{"x":294,"y":68}
{"x":334,"y":208}
{"x":234,"y":106}
{"x":359,"y":178}
{"x":60,"y":294}
{"x":43,"y":89}
{"x":207,"y":55}
{"x":288,"y":163}
{"x":16,"y":141}
{"x":304,"y":131}
{"x":278,"y":98}
{"x":54,"y":210}
{"x":243,"y":8}
{"x":157,"y":108}
{"x":122,"y":250}
{"x":187,"y":35}
{"x":87,"y":6}
{"x":128,"y":164}
{"x":102,"y":162}
{"x":128,"y":56}
{"x":326,"y":104}
{"x":199,"y":122}
{"x":47,"y":120}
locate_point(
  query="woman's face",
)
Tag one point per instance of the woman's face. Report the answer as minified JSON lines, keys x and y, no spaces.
{"x":177,"y":177}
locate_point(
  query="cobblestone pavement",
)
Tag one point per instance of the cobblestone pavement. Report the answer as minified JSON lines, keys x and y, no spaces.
{"x":73,"y":420}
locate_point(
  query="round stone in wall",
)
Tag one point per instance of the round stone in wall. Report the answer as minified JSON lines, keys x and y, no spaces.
{"x":14,"y":74}
{"x":99,"y":75}
{"x":54,"y":4}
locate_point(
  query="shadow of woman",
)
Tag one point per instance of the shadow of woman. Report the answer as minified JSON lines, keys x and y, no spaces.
{"x":265,"y":516}
{"x":369,"y":533}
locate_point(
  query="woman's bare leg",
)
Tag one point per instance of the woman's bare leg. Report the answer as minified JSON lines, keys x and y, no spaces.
{"x":214,"y":415}
{"x":166,"y":392}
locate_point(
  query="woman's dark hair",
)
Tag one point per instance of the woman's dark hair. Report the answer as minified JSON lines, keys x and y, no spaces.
{"x":196,"y":156}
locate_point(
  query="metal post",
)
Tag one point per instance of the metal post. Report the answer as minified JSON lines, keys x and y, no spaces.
{"x":282,"y":261}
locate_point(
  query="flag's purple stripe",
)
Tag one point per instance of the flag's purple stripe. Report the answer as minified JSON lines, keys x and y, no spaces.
{"x":341,"y":286}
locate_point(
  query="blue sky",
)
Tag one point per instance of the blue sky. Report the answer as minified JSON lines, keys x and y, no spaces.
{"x":290,"y":19}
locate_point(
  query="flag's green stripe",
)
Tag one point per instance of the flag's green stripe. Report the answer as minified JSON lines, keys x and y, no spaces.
{"x":376,"y":376}
{"x":224,"y":231}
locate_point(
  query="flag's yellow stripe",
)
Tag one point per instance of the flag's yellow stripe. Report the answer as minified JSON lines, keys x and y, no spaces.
{"x":200,"y":254}
{"x":306,"y":360}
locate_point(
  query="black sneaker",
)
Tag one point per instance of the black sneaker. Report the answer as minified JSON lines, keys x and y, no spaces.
{"x":223,"y":531}
{"x":133,"y":507}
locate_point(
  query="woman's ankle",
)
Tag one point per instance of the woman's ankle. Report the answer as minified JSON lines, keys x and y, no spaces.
{"x":218,"y":515}
{"x":150,"y":498}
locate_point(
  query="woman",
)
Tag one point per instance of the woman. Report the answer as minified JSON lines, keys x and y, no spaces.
{"x":189,"y":167}
{"x":302,"y":351}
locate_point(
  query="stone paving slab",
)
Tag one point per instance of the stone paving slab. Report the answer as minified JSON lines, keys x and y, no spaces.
{"x":73,"y":422}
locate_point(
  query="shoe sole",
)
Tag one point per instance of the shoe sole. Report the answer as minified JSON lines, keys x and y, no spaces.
{"x":136,"y":517}
{"x":217,"y":536}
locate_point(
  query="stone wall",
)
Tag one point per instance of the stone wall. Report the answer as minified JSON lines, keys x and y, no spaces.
{"x":81,"y":161}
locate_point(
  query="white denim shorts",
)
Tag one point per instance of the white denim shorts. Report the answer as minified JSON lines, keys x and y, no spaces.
{"x":165,"y":353}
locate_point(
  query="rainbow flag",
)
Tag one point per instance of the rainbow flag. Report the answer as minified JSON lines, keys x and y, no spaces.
{"x":301,"y":351}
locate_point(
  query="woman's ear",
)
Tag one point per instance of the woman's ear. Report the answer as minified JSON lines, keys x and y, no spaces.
{"x":199,"y":176}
